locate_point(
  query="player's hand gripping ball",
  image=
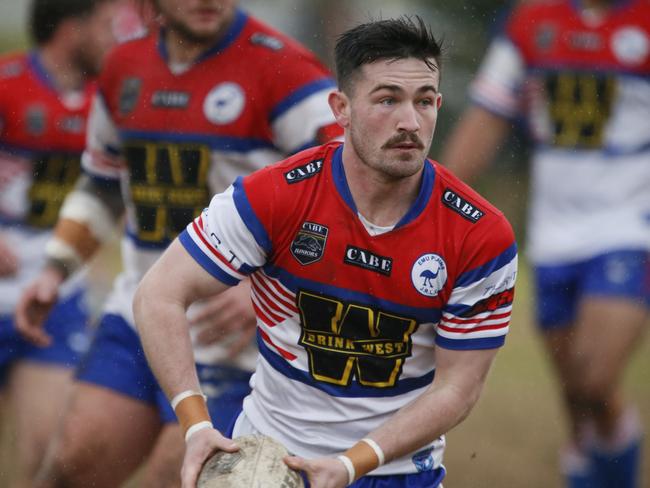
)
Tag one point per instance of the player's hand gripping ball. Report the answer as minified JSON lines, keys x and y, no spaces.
{"x":257,"y":464}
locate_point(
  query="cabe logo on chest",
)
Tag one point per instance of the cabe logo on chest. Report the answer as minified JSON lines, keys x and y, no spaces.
{"x":303,"y":172}
{"x":309,"y":244}
{"x":461,"y":206}
{"x":368,"y":260}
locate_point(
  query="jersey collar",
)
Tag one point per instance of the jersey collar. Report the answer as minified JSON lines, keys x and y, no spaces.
{"x":36,"y":65}
{"x":231,"y":35}
{"x":420,"y":203}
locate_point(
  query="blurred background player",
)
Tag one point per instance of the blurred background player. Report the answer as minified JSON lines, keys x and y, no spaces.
{"x":210,"y":95}
{"x":580,"y":73}
{"x":45,"y":97}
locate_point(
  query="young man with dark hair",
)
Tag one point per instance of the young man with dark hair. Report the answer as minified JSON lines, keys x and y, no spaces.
{"x":210,"y":94}
{"x":45,"y":97}
{"x":383,"y":284}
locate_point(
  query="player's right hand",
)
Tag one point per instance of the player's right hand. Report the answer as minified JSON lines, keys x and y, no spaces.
{"x":35,"y":304}
{"x":200,"y":446}
{"x":8,"y":260}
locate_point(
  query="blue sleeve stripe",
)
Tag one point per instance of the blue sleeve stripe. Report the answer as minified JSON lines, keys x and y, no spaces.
{"x":247,"y":214}
{"x":488,"y":268}
{"x":354,"y":390}
{"x":205,"y":262}
{"x":471,"y":344}
{"x":299,"y":95}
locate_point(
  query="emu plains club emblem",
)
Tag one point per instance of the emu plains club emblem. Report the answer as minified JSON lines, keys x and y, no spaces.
{"x":309,"y":244}
{"x":429,"y":274}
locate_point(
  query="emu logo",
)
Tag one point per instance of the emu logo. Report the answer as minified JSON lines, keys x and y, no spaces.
{"x":429,"y":274}
{"x":429,"y":277}
{"x":309,"y":244}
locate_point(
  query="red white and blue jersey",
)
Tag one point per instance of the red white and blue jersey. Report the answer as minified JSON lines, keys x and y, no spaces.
{"x":582,"y":81}
{"x":42,"y":136}
{"x":172,"y":136}
{"x":348,"y":322}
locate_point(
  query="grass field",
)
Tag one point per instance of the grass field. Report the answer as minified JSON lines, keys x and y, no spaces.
{"x":511,"y":438}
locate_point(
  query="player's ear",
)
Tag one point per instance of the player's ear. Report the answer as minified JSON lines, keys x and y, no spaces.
{"x":340,"y":105}
{"x":439,"y":101}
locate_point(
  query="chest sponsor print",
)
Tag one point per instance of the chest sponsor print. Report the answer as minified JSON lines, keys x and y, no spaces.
{"x":365,"y":259}
{"x":429,"y":274}
{"x":129,"y":94}
{"x":309,"y":244}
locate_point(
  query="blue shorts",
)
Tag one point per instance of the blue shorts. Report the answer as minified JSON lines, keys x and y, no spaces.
{"x":67,"y":324}
{"x":116,"y":361}
{"x":615,"y":274}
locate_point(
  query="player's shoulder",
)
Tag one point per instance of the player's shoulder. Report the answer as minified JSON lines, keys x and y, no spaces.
{"x":463,"y":202}
{"x":302,"y":167}
{"x":272,"y":44}
{"x":13,"y":65}
{"x":526,"y":11}
{"x":137,"y":49}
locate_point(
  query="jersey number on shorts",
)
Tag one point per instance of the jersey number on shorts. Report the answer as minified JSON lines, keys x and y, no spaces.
{"x":168,"y":187}
{"x":54,"y":177}
{"x":580,"y":106}
{"x":346,"y":339}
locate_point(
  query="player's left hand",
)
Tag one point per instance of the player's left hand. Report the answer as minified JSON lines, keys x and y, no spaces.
{"x":323,"y":472}
{"x":200,"y":446}
{"x":227,"y":315}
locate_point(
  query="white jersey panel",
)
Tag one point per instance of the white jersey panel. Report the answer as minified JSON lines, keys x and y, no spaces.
{"x":600,"y":203}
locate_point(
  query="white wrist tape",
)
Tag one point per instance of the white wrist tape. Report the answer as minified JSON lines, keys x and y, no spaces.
{"x":59,"y":250}
{"x":183,"y":395}
{"x":89,"y":210}
{"x":375,"y":447}
{"x":206,"y":424}
{"x":347,"y":462}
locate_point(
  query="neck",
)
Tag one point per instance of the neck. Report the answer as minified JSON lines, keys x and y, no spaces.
{"x":59,"y":63}
{"x":596,"y":4}
{"x":381,"y":199}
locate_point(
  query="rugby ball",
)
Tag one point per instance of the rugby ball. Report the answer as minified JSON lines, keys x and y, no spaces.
{"x":257,"y":464}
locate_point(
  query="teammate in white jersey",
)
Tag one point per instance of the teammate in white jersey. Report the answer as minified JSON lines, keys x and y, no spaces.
{"x":382,"y":284}
{"x":580,"y":74}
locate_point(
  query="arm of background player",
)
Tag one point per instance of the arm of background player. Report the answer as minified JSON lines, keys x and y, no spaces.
{"x":87,"y":218}
{"x":474,"y":142}
{"x":496,"y":96}
{"x":159,"y":308}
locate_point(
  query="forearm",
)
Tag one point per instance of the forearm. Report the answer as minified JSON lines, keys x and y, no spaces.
{"x":87,"y":219}
{"x":474,"y":143}
{"x":460,"y":376}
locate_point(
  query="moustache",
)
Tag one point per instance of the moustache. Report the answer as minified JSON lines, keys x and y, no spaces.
{"x":403,"y":137}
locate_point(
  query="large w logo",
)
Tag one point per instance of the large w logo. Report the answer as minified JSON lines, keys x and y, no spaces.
{"x":346,"y":340}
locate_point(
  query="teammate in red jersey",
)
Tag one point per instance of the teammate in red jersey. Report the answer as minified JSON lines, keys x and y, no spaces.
{"x":382,"y":284}
{"x":579,"y":71}
{"x":210,"y":95}
{"x":45,"y":97}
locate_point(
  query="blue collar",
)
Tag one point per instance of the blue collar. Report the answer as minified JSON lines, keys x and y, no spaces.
{"x":36,"y":65}
{"x":230,"y":36}
{"x":578,"y":5}
{"x":420,"y":203}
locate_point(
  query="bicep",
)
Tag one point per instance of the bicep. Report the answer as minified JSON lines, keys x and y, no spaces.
{"x":177,"y":277}
{"x":463,"y":370}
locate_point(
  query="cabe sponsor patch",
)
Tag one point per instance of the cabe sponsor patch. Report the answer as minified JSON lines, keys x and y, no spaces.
{"x":303,"y":172}
{"x":461,"y":206}
{"x":368,"y":260}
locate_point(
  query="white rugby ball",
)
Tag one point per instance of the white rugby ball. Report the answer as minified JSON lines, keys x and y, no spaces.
{"x":257,"y":464}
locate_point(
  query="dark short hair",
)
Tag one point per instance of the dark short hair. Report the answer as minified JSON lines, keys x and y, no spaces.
{"x":47,"y":15}
{"x":401,"y":38}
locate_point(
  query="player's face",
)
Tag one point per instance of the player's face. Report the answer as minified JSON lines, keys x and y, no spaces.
{"x":197,"y":20}
{"x":392,"y":115}
{"x":96,"y":37}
